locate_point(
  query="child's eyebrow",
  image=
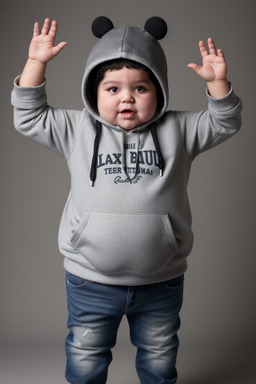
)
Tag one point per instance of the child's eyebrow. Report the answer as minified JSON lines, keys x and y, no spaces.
{"x":110,"y":82}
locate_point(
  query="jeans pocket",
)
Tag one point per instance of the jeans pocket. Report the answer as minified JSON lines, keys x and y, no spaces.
{"x":75,"y":281}
{"x":175,"y":283}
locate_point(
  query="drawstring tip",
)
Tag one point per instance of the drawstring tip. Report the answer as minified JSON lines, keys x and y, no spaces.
{"x":92,"y":183}
{"x":161,"y":173}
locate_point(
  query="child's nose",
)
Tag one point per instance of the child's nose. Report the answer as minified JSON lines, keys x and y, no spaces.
{"x":127,"y":97}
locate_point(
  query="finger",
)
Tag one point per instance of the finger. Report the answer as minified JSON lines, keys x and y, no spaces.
{"x":220,"y":52}
{"x":211,"y":45}
{"x":203,"y":49}
{"x":59,"y":47}
{"x":53,"y":29}
{"x":36,"y":29}
{"x":46,"y":26}
{"x":195,"y":67}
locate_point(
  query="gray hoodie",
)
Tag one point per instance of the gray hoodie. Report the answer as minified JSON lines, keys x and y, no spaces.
{"x":134,"y":226}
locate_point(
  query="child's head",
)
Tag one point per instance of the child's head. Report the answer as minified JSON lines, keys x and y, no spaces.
{"x":125,"y":82}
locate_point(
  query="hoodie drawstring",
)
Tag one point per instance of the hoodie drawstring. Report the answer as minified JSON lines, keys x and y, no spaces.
{"x":158,"y":149}
{"x":93,"y":171}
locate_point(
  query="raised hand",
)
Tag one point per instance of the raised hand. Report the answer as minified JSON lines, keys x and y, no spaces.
{"x":42,"y":47}
{"x":213,"y":69}
{"x":41,"y":51}
{"x":214,"y":64}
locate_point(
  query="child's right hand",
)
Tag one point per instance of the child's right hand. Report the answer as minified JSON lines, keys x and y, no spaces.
{"x":41,"y":51}
{"x":42,"y":48}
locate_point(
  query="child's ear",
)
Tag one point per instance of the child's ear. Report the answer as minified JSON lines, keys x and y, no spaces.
{"x":101,"y":25}
{"x":157,"y":27}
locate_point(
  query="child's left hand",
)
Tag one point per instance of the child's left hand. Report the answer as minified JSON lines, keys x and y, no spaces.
{"x":214,"y":67}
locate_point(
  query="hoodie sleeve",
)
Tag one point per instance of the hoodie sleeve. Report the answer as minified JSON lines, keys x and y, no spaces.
{"x":204,"y":130}
{"x":55,"y":129}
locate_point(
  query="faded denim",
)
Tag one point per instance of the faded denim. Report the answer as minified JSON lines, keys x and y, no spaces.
{"x":95,"y":312}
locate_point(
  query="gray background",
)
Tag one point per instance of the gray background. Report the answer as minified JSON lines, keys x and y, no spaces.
{"x":218,"y":316}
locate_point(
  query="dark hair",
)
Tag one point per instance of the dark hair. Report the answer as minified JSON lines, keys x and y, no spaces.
{"x":98,"y":72}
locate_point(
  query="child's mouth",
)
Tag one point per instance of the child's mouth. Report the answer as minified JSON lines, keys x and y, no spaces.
{"x":127,"y":113}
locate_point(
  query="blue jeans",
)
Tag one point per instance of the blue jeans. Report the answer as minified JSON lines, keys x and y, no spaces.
{"x":95,"y":312}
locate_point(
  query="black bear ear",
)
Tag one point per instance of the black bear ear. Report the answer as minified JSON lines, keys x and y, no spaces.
{"x":101,"y":25}
{"x":156,"y":26}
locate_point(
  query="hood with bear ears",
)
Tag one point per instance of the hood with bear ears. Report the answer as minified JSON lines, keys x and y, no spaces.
{"x":137,"y":44}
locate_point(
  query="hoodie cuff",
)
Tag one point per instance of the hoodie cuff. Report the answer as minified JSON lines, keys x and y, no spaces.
{"x":28,"y":97}
{"x":226,"y":103}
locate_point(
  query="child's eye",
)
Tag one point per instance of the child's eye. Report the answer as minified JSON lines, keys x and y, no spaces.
{"x":113,"y":90}
{"x":140,"y":89}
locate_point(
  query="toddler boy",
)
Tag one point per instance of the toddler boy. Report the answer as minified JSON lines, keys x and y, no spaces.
{"x":126,"y":234}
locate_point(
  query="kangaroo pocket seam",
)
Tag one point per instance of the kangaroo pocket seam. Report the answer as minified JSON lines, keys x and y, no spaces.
{"x":80,"y":228}
{"x":168,"y":231}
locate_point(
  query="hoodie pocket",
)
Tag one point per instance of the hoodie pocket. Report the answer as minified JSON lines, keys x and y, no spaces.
{"x":114,"y":243}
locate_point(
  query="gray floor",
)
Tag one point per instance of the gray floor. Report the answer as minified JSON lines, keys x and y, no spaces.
{"x":197,"y":365}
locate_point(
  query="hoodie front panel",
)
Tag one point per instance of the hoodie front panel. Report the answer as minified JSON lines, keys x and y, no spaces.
{"x":131,"y":227}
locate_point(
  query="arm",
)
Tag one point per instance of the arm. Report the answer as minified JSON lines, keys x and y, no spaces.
{"x":41,"y":51}
{"x":53,"y":128}
{"x":213,"y":70}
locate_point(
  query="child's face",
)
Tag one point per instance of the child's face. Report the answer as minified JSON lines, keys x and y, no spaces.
{"x":126,"y":97}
